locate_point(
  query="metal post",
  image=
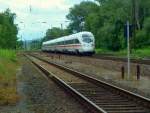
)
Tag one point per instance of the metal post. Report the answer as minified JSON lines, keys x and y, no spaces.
{"x":61,"y":26}
{"x":128,"y":49}
{"x":122,"y":72}
{"x":138,"y":72}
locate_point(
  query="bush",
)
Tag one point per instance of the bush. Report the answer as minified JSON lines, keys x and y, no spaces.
{"x":108,"y":39}
{"x":143,"y":36}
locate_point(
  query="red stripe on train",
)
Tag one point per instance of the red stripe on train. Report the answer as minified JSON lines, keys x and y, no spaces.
{"x":77,"y":45}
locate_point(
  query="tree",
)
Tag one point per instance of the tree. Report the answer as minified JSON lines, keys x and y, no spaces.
{"x":55,"y":33}
{"x":143,"y":36}
{"x":36,"y":44}
{"x":106,"y":19}
{"x":79,"y":13}
{"x":8,"y":30}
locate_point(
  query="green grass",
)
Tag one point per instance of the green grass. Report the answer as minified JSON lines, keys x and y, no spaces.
{"x":101,"y":51}
{"x":8,"y":54}
{"x":136,"y":53}
{"x":8,"y":69}
{"x":142,"y":53}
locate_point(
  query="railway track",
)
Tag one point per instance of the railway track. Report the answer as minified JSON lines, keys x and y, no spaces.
{"x":113,"y":58}
{"x":95,"y":95}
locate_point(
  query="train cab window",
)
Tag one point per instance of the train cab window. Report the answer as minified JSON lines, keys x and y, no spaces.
{"x":86,"y":38}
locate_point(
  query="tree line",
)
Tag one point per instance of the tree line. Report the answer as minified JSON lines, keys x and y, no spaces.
{"x":106,"y":20}
{"x":8,"y":30}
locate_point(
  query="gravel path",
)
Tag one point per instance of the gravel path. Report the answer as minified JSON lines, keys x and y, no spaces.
{"x":67,"y":77}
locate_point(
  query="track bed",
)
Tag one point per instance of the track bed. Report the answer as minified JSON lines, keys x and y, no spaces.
{"x":103,"y":96}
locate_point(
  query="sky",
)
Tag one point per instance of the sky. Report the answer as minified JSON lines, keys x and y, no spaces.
{"x":34,"y":17}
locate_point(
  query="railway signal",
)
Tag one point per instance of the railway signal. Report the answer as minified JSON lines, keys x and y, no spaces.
{"x":131,"y":28}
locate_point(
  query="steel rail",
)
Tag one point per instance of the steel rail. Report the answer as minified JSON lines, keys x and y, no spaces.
{"x":81,"y":98}
{"x":113,"y":58}
{"x":127,"y":94}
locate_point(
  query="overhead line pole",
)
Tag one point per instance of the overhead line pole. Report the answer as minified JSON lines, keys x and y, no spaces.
{"x":128,"y":49}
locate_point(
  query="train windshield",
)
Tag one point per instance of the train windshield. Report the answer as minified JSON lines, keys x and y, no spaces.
{"x":86,"y":38}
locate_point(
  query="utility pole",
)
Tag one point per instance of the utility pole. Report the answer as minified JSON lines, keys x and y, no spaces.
{"x":25,"y":44}
{"x":62,"y":31}
{"x":127,"y":34}
{"x":128,"y":49}
{"x":61,"y":26}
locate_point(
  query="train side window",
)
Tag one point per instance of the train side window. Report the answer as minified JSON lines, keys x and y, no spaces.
{"x":76,"y":41}
{"x":68,"y":42}
{"x":64,"y":43}
{"x":61,"y":43}
{"x":56,"y":43}
{"x":71,"y":41}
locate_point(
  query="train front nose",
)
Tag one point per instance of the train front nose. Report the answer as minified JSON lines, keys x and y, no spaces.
{"x":89,"y":47}
{"x":88,"y":43}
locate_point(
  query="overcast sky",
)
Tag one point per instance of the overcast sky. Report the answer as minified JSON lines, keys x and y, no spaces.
{"x":32,"y":15}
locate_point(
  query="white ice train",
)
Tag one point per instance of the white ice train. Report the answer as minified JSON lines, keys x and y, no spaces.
{"x":79,"y":43}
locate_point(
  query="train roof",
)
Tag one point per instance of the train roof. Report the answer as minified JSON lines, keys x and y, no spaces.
{"x":67,"y":37}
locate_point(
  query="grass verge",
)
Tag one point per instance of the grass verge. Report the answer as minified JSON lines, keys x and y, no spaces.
{"x":136,"y":53}
{"x":8,"y":68}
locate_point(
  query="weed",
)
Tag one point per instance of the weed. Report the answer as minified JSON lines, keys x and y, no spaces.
{"x":8,"y":67}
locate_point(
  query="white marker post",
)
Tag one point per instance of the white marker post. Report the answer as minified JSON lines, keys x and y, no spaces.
{"x":128,"y":49}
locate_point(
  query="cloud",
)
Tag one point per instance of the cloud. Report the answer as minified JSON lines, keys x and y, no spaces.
{"x":40,"y":4}
{"x":31,"y":14}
